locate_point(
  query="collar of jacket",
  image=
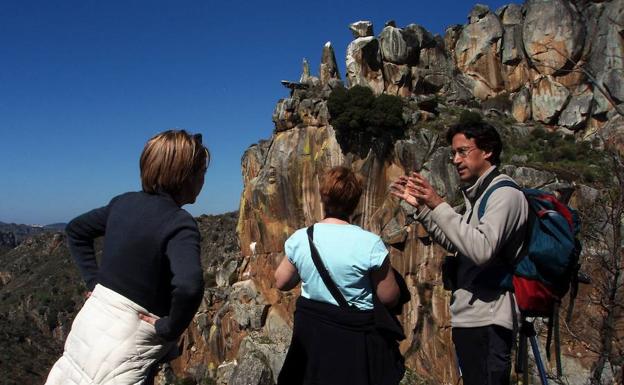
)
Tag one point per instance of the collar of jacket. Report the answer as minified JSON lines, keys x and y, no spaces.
{"x":471,"y":192}
{"x":164,"y":194}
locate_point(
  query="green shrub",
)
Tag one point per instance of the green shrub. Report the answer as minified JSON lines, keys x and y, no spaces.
{"x":363,"y":121}
{"x":560,"y":154}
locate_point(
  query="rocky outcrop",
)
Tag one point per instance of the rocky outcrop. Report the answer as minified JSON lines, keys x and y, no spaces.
{"x":477,"y":52}
{"x":549,"y":98}
{"x":496,"y":62}
{"x":485,"y":60}
{"x":576,"y":46}
{"x":364,"y":63}
{"x":329,"y":67}
{"x":576,"y":112}
{"x":553,"y":35}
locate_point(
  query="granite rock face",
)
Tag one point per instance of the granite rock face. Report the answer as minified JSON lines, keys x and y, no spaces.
{"x":549,"y":98}
{"x":364,"y":63}
{"x":553,"y":35}
{"x":477,"y":52}
{"x":575,"y":45}
{"x":486,"y":59}
{"x":241,"y":332}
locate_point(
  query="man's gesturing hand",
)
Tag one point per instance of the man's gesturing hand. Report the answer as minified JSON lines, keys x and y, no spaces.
{"x":400,"y":189}
{"x":423,"y":191}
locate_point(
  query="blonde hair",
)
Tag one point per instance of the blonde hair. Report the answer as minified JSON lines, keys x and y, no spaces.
{"x":170,"y":159}
{"x":340,"y":192}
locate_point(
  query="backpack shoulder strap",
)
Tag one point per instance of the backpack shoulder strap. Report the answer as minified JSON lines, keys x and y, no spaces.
{"x":316,"y":258}
{"x":489,"y":191}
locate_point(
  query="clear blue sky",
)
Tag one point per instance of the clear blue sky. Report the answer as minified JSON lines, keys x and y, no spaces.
{"x":84,"y":83}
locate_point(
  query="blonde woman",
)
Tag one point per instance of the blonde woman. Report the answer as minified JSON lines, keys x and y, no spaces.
{"x":148,"y":284}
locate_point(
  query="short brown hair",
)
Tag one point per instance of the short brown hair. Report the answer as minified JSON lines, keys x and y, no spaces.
{"x":170,"y":159}
{"x":340,"y":192}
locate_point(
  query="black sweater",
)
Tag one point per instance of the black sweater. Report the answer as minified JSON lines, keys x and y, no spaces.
{"x":334,"y":345}
{"x":151,"y":256}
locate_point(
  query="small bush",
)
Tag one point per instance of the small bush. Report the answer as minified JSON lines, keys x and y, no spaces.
{"x":560,"y":154}
{"x":364,"y":121}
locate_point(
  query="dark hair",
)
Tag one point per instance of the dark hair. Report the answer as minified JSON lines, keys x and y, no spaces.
{"x":484,"y":134}
{"x":340,"y":192}
{"x":170,"y":159}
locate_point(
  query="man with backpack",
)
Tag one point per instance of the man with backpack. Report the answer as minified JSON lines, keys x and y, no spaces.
{"x":485,"y":244}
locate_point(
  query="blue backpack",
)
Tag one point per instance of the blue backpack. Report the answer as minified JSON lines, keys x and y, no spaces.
{"x":549,"y":265}
{"x":550,"y":262}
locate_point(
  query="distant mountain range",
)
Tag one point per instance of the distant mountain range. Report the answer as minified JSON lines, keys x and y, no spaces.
{"x":12,"y":234}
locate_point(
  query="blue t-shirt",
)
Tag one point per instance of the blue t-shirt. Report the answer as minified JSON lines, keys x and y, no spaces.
{"x":349,"y":254}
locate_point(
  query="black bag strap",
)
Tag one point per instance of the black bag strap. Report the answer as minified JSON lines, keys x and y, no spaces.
{"x":484,"y":185}
{"x":316,"y":258}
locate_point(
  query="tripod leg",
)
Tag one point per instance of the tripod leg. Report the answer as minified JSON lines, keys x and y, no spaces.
{"x":538,"y":360}
{"x":557,"y":346}
{"x":522,"y":358}
{"x":525,"y":361}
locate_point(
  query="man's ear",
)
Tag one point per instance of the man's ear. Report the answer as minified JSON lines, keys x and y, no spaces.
{"x":488,"y":155}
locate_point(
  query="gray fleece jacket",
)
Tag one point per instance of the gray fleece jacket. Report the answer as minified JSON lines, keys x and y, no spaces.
{"x":483,"y":248}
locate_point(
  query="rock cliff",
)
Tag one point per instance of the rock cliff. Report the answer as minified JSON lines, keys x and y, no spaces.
{"x":551,"y":64}
{"x":545,"y":66}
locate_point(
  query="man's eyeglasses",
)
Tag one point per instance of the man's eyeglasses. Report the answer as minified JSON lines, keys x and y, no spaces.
{"x":462,"y":152}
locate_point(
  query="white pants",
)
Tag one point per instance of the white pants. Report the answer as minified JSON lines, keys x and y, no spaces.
{"x":108,"y":344}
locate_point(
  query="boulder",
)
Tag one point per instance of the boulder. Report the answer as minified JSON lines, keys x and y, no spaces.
{"x":248,"y":305}
{"x":511,"y":14}
{"x":602,"y":105}
{"x":576,"y":112}
{"x":521,"y":105}
{"x":516,"y":75}
{"x":364,"y":65}
{"x":277,"y":327}
{"x":309,"y":112}
{"x":416,"y":37}
{"x":553,"y":35}
{"x":613,"y":132}
{"x":362,"y":28}
{"x":393,"y":46}
{"x":529,"y":177}
{"x":226,"y":275}
{"x":548,"y":99}
{"x":442,"y":174}
{"x":451,"y":35}
{"x":411,"y":154}
{"x":252,"y":369}
{"x":329,"y":67}
{"x":512,"y":44}
{"x":397,"y":79}
{"x":225,"y":371}
{"x":273,"y":352}
{"x":284,"y":116}
{"x":606,"y":28}
{"x":478,"y":12}
{"x":613,"y":81}
{"x":433,"y":72}
{"x":477,"y":54}
{"x":459,"y":90}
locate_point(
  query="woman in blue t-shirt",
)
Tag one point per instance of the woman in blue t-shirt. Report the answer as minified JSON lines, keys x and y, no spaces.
{"x":332,"y":344}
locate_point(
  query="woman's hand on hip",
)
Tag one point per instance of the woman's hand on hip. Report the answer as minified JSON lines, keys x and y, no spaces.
{"x":148,"y":319}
